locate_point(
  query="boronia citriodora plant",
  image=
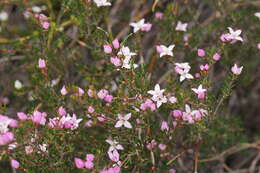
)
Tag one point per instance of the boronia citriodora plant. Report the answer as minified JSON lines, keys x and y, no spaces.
{"x":95,"y":100}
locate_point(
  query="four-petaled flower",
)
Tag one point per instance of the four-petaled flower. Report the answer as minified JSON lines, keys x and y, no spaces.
{"x":236,"y":70}
{"x":123,"y":121}
{"x":101,"y":3}
{"x":163,"y":50}
{"x":200,"y":91}
{"x":235,"y":34}
{"x":183,"y":69}
{"x":140,"y":25}
{"x":181,"y":26}
{"x":114,"y":145}
{"x":157,"y":95}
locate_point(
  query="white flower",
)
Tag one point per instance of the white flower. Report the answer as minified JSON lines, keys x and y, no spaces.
{"x":166,"y":50}
{"x":181,"y":26}
{"x":236,"y":70}
{"x":3,"y":16}
{"x":36,"y":9}
{"x":235,"y":34}
{"x":125,"y":51}
{"x":101,"y":3}
{"x":18,"y":85}
{"x":183,"y":69}
{"x":123,"y":121}
{"x":138,"y":25}
{"x":4,"y":125}
{"x":157,"y":95}
{"x":199,"y":90}
{"x":257,"y":14}
{"x":70,"y":122}
{"x":43,"y":147}
{"x":114,"y":145}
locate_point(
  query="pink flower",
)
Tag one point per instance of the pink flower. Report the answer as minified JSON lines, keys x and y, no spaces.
{"x":159,"y":15}
{"x":62,"y":111}
{"x":204,"y":67}
{"x":236,"y":70}
{"x":101,"y":118}
{"x":201,"y":52}
{"x":109,"y":98}
{"x":45,"y":25}
{"x":91,"y":109}
{"x":159,"y":49}
{"x":79,"y":163}
{"x":162,"y":147}
{"x":63,"y":91}
{"x":22,"y":116}
{"x":39,"y":117}
{"x":197,"y":75}
{"x":225,"y":38}
{"x":148,"y":105}
{"x":174,"y":123}
{"x":89,"y":123}
{"x":6,"y":138}
{"x":15,"y":164}
{"x":151,"y":145}
{"x":115,"y":61}
{"x":41,"y":63}
{"x":146,"y":27}
{"x":176,"y":113}
{"x":113,"y":155}
{"x":90,"y":157}
{"x":116,"y":44}
{"x":172,"y":171}
{"x":258,"y":46}
{"x":102,"y":94}
{"x":89,"y":164}
{"x":200,"y":91}
{"x":164,"y":126}
{"x":216,"y":57}
{"x":80,"y":92}
{"x":107,"y":48}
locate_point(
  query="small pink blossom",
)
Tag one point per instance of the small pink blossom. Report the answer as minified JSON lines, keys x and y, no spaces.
{"x":258,"y":46}
{"x":201,"y":52}
{"x":22,"y":116}
{"x":151,"y":145}
{"x":6,"y":138}
{"x":62,"y":111}
{"x":39,"y":117}
{"x":80,"y":92}
{"x":197,"y":75}
{"x":109,"y":98}
{"x":41,"y":63}
{"x":164,"y":126}
{"x":148,"y":105}
{"x":79,"y":163}
{"x":204,"y":67}
{"x":89,"y":165}
{"x":200,"y":91}
{"x":172,"y":171}
{"x":159,"y":15}
{"x":176,"y":113}
{"x":91,"y":109}
{"x":107,"y":48}
{"x":116,"y":44}
{"x":113,"y":155}
{"x":216,"y":57}
{"x":15,"y":164}
{"x":89,"y":123}
{"x":115,"y":61}
{"x":146,"y":27}
{"x":123,"y":121}
{"x":162,"y":147}
{"x":45,"y":24}
{"x":102,"y":94}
